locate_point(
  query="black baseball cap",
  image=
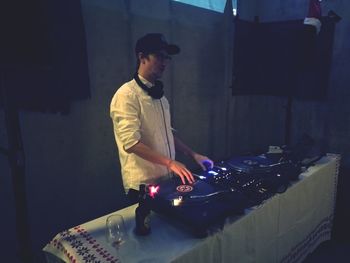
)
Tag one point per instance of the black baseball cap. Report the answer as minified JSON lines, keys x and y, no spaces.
{"x":154,"y":42}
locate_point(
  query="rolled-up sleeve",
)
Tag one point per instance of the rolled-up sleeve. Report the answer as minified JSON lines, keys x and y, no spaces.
{"x":125,"y":113}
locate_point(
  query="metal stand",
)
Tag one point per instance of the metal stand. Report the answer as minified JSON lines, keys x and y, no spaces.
{"x":288,"y":124}
{"x":16,"y":159}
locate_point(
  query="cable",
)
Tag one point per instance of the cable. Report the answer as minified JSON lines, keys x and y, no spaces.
{"x":166,"y":130}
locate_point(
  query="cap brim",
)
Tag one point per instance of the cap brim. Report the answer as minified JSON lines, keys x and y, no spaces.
{"x":172,"y":49}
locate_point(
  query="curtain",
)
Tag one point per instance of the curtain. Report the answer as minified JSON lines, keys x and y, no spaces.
{"x":285,"y":58}
{"x":43,"y":54}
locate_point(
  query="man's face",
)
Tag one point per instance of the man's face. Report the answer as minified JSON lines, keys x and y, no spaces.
{"x":156,"y":63}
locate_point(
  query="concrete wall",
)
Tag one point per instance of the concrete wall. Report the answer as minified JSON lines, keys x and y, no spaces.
{"x":72,"y":164}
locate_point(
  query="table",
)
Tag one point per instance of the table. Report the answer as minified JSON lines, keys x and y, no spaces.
{"x":285,"y":228}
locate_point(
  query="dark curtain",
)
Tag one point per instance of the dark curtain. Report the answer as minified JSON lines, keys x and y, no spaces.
{"x":283,"y":58}
{"x":43,"y":54}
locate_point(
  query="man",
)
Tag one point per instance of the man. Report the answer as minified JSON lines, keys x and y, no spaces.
{"x":141,"y":120}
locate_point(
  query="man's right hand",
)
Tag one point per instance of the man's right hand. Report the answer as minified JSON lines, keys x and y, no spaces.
{"x":181,"y":170}
{"x":145,"y":152}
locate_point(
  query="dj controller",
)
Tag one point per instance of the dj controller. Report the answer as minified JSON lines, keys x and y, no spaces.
{"x":226,"y":189}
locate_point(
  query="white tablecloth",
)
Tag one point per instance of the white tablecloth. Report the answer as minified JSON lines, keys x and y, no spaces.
{"x":285,"y":228}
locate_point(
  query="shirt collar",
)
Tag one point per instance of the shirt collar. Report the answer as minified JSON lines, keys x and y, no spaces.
{"x":145,"y":81}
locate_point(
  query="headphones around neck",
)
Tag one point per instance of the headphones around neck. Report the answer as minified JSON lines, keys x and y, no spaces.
{"x":156,"y":92}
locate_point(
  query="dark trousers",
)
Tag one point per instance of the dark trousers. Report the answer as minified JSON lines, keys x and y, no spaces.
{"x":133,"y":196}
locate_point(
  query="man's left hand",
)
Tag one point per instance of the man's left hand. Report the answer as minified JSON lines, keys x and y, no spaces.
{"x":203,"y":161}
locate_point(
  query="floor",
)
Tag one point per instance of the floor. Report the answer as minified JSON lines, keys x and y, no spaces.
{"x":338,"y":248}
{"x":330,"y":251}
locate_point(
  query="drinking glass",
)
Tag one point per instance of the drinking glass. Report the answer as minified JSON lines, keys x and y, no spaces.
{"x":115,"y":230}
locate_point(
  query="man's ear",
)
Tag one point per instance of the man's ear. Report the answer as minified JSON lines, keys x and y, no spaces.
{"x":141,"y":57}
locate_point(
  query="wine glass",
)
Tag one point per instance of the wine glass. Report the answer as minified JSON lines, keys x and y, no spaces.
{"x":115,"y":230}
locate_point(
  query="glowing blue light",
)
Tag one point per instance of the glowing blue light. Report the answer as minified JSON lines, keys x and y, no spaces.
{"x":213,"y":172}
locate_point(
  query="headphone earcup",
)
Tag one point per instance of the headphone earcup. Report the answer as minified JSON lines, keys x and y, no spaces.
{"x":156,"y":92}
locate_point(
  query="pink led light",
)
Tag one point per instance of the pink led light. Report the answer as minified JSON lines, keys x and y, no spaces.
{"x":153,"y":190}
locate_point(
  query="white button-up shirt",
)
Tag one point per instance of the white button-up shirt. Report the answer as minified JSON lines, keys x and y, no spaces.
{"x":138,"y":117}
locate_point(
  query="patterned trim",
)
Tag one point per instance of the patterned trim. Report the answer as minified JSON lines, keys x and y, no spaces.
{"x":84,"y":247}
